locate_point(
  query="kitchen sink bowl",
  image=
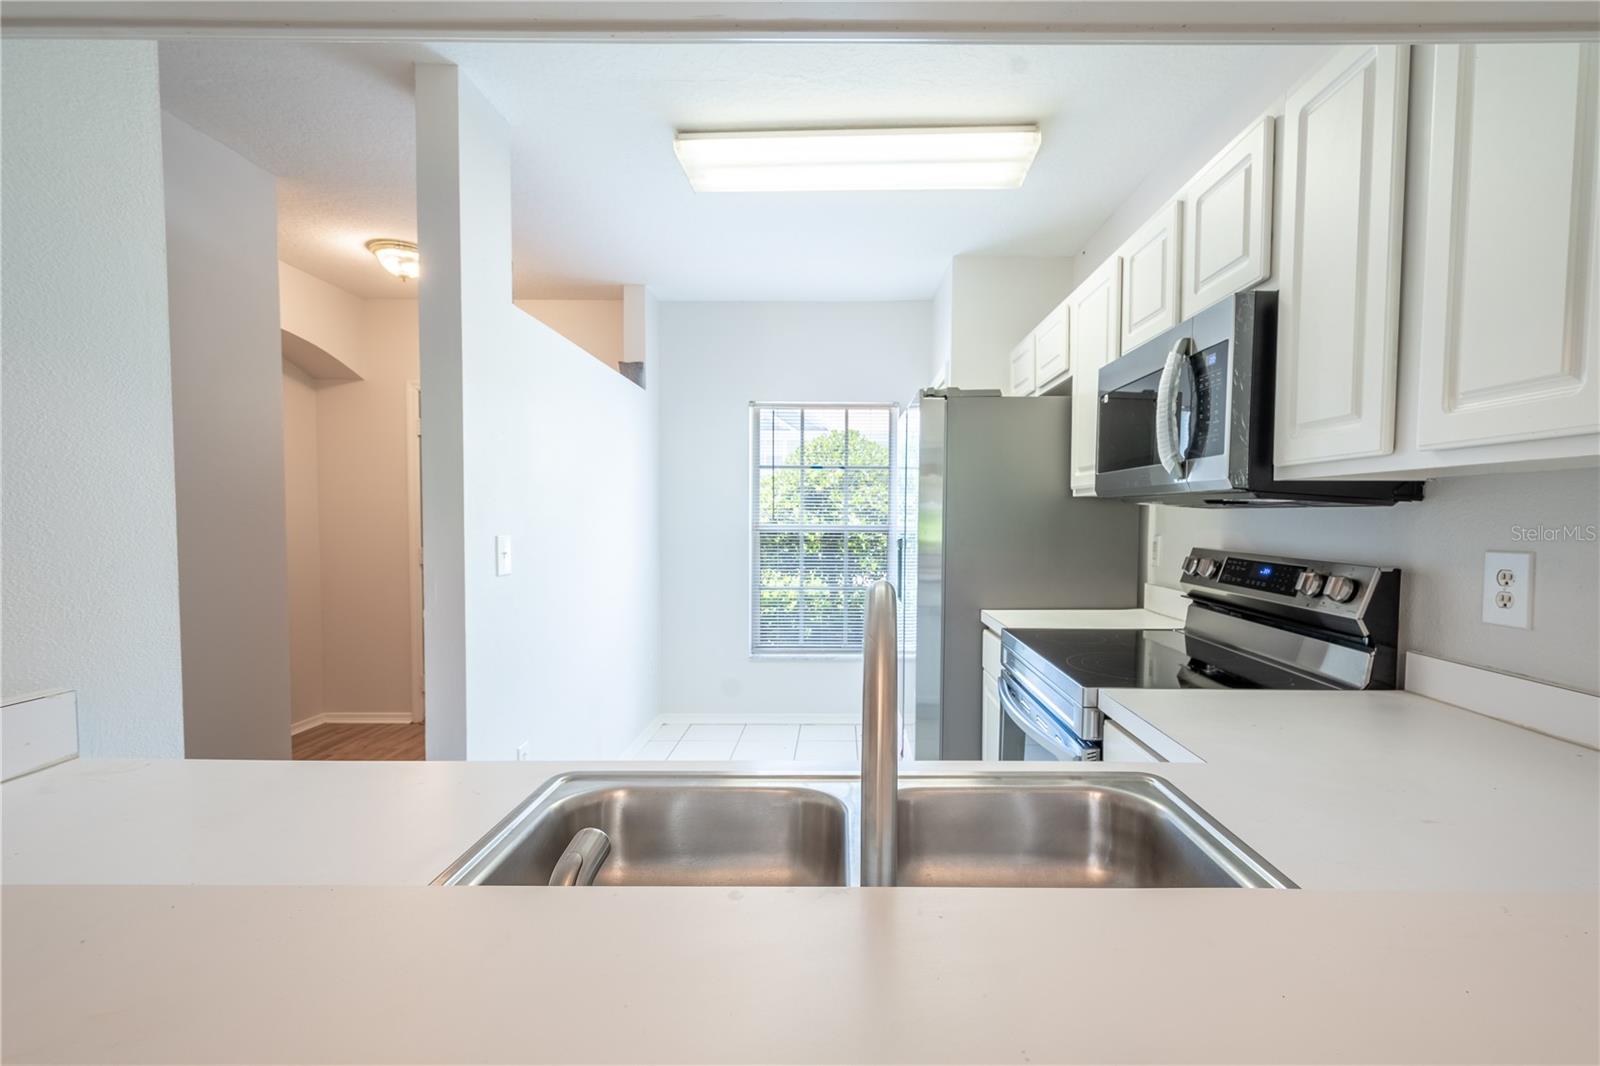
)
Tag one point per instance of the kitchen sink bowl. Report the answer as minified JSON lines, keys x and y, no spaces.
{"x":742,"y":828}
{"x":1103,"y":830}
{"x":672,"y":829}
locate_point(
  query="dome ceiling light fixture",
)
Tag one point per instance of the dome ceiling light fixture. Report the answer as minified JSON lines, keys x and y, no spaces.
{"x":399,"y":258}
{"x":858,"y":160}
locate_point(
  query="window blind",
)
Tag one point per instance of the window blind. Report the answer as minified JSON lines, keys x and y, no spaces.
{"x":820,"y":523}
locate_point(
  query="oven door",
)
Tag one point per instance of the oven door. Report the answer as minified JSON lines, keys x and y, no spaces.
{"x":1029,"y":732}
{"x":1163,"y":425}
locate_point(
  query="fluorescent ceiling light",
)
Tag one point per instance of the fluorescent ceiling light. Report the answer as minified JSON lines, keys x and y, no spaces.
{"x":969,"y":157}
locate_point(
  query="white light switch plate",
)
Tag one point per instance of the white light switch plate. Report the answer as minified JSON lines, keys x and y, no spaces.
{"x":502,"y":555}
{"x":1508,"y":589}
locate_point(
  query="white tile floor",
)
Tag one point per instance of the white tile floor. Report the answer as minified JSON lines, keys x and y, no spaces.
{"x":754,"y":741}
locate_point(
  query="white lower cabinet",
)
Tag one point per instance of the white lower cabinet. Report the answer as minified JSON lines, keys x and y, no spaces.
{"x":1510,"y":313}
{"x":990,"y":745}
{"x":1093,"y":317}
{"x":991,"y":718}
{"x":1344,"y":151}
{"x":1118,"y":745}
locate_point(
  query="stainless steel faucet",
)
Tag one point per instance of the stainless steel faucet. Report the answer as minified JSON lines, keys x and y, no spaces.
{"x":582,"y":860}
{"x":880,"y":738}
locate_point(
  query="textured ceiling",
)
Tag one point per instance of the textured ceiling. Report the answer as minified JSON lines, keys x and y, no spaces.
{"x":600,"y":200}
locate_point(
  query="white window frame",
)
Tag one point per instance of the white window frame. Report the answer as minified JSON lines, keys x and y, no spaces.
{"x":752,"y":570}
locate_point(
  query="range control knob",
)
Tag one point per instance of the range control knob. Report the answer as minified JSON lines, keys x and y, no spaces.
{"x":1190,"y":564}
{"x":1207,"y":567}
{"x":1309,"y":583}
{"x":1340,"y":589}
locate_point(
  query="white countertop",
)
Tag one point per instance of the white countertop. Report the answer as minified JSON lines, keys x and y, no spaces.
{"x":498,"y":975}
{"x":238,"y":822}
{"x":1373,"y":791}
{"x":1380,"y":790}
{"x":1127,"y":618}
{"x":1447,"y":863}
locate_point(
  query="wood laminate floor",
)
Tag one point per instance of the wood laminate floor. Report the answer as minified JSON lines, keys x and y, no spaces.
{"x":360,"y":742}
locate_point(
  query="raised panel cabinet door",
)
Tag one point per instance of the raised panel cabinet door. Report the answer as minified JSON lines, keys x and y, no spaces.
{"x":1051,"y":351}
{"x":1150,"y":266}
{"x":1021,"y":377}
{"x":1093,"y":327}
{"x":1344,"y":152}
{"x":1508,"y":332}
{"x":1227,"y":221}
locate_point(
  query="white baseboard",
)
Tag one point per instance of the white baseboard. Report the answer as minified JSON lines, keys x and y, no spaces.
{"x":1563,"y":713}
{"x":660,"y":720}
{"x":350,"y":718}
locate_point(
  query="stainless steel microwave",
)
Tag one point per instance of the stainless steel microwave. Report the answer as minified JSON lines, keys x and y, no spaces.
{"x":1186,"y":418}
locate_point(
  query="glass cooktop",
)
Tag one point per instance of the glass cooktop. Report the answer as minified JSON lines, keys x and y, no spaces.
{"x":1110,"y":658}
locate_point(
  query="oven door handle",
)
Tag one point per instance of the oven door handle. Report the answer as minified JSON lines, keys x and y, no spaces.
{"x":1066,"y":747}
{"x":1173,"y":440}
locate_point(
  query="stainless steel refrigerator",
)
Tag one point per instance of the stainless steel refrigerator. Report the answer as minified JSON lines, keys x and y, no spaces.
{"x":987,"y":520}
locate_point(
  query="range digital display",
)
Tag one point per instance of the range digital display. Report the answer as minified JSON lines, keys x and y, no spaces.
{"x":1277,"y":578}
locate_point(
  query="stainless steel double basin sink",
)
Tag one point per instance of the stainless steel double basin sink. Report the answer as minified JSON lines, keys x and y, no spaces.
{"x":1083,"y":830}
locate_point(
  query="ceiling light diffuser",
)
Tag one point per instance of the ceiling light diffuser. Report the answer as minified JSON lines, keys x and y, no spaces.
{"x":939,"y":158}
{"x":399,"y":258}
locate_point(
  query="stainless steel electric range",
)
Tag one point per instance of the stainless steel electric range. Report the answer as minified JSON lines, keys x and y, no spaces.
{"x":1254,"y":621}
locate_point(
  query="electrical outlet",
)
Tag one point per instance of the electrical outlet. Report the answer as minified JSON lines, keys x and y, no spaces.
{"x":522,"y":752}
{"x":1508,"y":589}
{"x":1155,"y":554}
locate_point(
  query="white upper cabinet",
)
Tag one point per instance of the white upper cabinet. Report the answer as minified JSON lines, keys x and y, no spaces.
{"x":1150,"y":267}
{"x":1509,"y":307}
{"x":1094,"y":313}
{"x":1051,"y":354}
{"x":1021,"y":375}
{"x":1344,"y":146}
{"x":1227,"y":221}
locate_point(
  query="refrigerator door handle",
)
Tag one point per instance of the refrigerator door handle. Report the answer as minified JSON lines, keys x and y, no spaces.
{"x":900,"y":566}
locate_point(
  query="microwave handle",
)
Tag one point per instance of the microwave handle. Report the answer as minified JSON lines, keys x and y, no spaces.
{"x":1169,"y":449}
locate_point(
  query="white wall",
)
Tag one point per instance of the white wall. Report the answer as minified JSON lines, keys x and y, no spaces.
{"x":1184,"y":160}
{"x":303,"y":526}
{"x":90,"y":565}
{"x":227,"y":430}
{"x":1440,"y":544}
{"x":324,"y":325}
{"x":593,"y":325}
{"x":988,"y":304}
{"x":943,"y":308}
{"x":358,"y":442}
{"x":526,"y":435}
{"x":366,"y":597}
{"x":714,"y":360}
